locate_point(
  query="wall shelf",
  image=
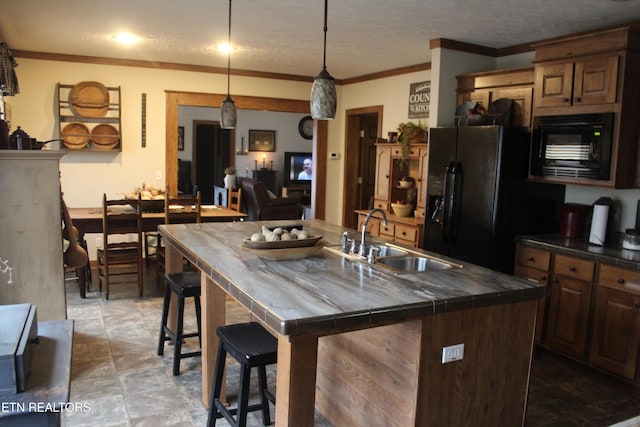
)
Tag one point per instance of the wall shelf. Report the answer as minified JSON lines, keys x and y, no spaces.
{"x":111,"y":117}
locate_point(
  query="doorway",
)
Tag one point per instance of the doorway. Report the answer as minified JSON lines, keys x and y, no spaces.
{"x":320,"y":135}
{"x":211,"y":154}
{"x":363,"y":130}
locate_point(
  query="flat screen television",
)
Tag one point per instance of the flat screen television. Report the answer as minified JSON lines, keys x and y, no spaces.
{"x":294,"y":168}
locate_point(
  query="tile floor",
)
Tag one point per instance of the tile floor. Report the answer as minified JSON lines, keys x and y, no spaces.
{"x":116,"y":372}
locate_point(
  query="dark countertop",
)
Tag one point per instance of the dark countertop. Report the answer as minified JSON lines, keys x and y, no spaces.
{"x":326,"y":292}
{"x":611,"y":253}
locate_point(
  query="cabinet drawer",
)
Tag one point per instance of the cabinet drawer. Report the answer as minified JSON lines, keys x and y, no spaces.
{"x":388,"y":230}
{"x":405,"y":232}
{"x":568,"y":266}
{"x":382,"y":204}
{"x":618,"y":278}
{"x":533,"y":257}
{"x":397,"y":152}
{"x":531,"y":274}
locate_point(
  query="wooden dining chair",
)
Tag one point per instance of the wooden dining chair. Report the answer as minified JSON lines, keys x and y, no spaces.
{"x":177,"y":210}
{"x":75,"y":255}
{"x":235,"y":199}
{"x":121,"y":253}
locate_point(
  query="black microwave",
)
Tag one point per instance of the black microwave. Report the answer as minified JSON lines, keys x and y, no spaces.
{"x":576,"y":146}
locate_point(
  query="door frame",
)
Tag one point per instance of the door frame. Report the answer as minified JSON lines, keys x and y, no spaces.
{"x":320,"y":135}
{"x":352,"y":158}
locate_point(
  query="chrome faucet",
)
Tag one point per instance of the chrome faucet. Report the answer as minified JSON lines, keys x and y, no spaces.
{"x":362,"y":251}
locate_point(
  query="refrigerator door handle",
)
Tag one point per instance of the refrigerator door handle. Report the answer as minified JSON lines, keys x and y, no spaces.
{"x":454,"y":212}
{"x":447,"y":201}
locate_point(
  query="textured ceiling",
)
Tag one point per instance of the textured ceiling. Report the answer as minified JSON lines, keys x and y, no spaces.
{"x":285,"y":36}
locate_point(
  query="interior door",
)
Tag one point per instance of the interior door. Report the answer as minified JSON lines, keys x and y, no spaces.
{"x":367,"y":174}
{"x":211,"y":155}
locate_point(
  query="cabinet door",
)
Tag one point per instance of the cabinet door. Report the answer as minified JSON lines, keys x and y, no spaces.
{"x":421,"y":187}
{"x":553,"y":85}
{"x":383,"y":172}
{"x":522,"y":99}
{"x":480,"y":96}
{"x":616,"y":335}
{"x":595,"y":81}
{"x":568,"y":315}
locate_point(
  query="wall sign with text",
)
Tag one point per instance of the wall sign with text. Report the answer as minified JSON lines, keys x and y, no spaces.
{"x":419,"y":97}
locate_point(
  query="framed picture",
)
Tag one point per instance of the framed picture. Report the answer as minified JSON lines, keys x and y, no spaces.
{"x":180,"y":138}
{"x":262,"y":140}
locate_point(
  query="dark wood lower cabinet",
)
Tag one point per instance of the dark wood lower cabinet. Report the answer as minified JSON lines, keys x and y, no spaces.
{"x":616,"y":336}
{"x":592,"y":312}
{"x":568,"y":315}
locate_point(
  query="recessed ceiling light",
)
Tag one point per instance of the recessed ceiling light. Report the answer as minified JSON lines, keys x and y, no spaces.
{"x":126,"y":38}
{"x":225,"y":48}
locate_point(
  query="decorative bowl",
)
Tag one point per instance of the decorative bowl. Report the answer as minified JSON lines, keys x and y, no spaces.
{"x":401,"y":210}
{"x":405,"y":184}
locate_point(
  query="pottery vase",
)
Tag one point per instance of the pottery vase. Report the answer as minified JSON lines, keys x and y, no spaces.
{"x":230,"y":182}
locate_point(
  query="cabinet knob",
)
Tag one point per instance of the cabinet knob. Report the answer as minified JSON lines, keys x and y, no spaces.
{"x":531,"y":259}
{"x":543,"y":278}
{"x":621,"y":281}
{"x":572,"y":269}
{"x":577,"y":99}
{"x":638,"y":304}
{"x":566,"y":100}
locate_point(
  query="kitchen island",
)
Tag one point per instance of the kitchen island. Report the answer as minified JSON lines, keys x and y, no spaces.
{"x":362,"y":345}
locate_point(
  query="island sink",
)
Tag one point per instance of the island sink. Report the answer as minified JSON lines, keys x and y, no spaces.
{"x":412,"y":264}
{"x":395,"y":259}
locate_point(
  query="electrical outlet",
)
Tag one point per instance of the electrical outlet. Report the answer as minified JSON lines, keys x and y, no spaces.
{"x":99,"y":242}
{"x":452,"y":353}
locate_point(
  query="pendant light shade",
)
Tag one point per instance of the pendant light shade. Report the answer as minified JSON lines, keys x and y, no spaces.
{"x":323,"y":91}
{"x":228,"y":114}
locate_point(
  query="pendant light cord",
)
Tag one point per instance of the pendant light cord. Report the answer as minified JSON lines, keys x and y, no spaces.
{"x":229,"y":54}
{"x":324,"y":55}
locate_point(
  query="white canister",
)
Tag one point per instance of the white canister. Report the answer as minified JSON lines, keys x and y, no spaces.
{"x":599,"y":223}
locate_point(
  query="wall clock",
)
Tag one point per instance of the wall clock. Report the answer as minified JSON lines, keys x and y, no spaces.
{"x":305,"y":127}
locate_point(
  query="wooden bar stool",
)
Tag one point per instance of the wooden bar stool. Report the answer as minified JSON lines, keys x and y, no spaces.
{"x":183,"y":285}
{"x":253,"y":347}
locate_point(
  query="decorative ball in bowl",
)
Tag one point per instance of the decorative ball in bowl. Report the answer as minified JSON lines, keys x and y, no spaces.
{"x":401,"y":210}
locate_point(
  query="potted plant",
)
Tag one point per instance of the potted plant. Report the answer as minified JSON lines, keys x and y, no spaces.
{"x":230,"y":177}
{"x":410,"y":133}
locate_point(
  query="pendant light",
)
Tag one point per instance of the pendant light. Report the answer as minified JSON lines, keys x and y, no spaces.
{"x":323,"y":91}
{"x":228,"y":114}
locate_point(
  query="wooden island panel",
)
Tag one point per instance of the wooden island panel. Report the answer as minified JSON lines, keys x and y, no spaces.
{"x":373,"y":377}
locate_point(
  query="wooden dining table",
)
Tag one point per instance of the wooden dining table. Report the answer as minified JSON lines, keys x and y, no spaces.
{"x":89,"y":220}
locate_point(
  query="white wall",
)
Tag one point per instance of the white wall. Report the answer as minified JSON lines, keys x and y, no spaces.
{"x":284,"y":124}
{"x":86,"y":175}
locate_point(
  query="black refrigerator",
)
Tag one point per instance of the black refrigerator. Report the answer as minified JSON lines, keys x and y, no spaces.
{"x":478,"y":197}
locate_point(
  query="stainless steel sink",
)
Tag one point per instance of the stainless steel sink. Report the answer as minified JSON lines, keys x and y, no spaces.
{"x":412,"y":264}
{"x":385,"y":250}
{"x":397,"y":260}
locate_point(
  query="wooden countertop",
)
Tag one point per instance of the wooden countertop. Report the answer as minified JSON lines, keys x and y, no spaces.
{"x":326,"y":293}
